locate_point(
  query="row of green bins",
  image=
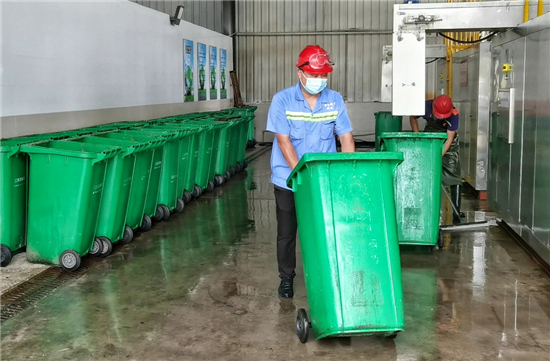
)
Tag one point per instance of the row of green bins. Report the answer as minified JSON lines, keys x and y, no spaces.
{"x":348,"y":234}
{"x":417,"y":185}
{"x":66,"y":181}
{"x":111,"y":226}
{"x":386,"y":122}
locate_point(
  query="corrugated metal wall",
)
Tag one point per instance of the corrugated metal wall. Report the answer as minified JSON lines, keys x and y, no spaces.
{"x":270,"y":35}
{"x":210,"y":14}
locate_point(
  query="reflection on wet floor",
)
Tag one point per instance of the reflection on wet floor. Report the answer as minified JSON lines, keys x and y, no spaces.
{"x":202,"y":286}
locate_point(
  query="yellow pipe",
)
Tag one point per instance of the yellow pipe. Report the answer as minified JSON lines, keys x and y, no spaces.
{"x":540,"y":7}
{"x":526,"y":11}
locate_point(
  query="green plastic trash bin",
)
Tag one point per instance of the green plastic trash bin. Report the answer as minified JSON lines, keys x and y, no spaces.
{"x":170,"y":197}
{"x":348,"y":234}
{"x":111,"y":227}
{"x":220,"y":143}
{"x":417,"y":185}
{"x":135,"y":213}
{"x":205,"y":143}
{"x":159,"y":203}
{"x":248,"y":112}
{"x":13,"y":197}
{"x":237,"y":134}
{"x":386,"y":122}
{"x":66,"y":181}
{"x":188,"y":158}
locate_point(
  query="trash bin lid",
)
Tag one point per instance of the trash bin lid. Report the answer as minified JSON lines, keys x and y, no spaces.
{"x":424,"y":135}
{"x":342,"y":157}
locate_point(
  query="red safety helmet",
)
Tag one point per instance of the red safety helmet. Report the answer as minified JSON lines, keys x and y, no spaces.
{"x":315,"y":60}
{"x":442,"y":106}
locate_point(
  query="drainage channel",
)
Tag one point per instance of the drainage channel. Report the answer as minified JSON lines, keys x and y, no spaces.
{"x":26,"y":294}
{"x":38,"y":287}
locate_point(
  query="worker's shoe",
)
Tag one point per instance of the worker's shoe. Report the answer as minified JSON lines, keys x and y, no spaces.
{"x":286,"y":289}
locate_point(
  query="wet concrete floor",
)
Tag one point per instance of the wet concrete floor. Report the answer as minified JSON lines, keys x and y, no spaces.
{"x":202,"y":286}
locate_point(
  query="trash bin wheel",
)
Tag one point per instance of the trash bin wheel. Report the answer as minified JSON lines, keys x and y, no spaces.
{"x":210,"y":186}
{"x":197,"y":191}
{"x":187,"y":196}
{"x":146,"y":224}
{"x":440,"y":240}
{"x":69,"y":260}
{"x":392,"y":336}
{"x":302,"y":325}
{"x":5,"y":255}
{"x":107,"y":247}
{"x":239,"y":167}
{"x":232,"y":171}
{"x":180,"y":205}
{"x":165,"y":212}
{"x":128,"y":235}
{"x":159,"y":215}
{"x":245,"y":164}
{"x":96,"y":248}
{"x":227,"y":176}
{"x":218,"y":180}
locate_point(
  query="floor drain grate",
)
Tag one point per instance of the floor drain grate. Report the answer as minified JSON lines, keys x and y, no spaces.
{"x":22,"y":296}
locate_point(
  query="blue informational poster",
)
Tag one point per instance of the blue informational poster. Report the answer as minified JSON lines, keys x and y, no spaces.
{"x":201,"y":56}
{"x":213,"y":73}
{"x":223,"y":73}
{"x":188,"y":59}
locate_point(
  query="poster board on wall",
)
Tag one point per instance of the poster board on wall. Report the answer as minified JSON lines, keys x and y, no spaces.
{"x":213,"y":72}
{"x":202,"y":64}
{"x":188,"y":59}
{"x":223,"y":73}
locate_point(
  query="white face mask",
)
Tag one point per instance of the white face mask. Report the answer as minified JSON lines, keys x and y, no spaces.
{"x":314,"y":85}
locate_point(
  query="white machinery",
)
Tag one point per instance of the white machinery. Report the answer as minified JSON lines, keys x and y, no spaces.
{"x":411,"y":22}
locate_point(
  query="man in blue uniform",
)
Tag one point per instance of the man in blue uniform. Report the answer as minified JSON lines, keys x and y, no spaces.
{"x":304,"y":119}
{"x":442,"y":116}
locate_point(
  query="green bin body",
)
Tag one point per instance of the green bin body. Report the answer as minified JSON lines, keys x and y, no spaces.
{"x":348,"y":234}
{"x":205,"y":145}
{"x":116,"y":190}
{"x":188,"y":156}
{"x":13,"y":197}
{"x":140,"y":176}
{"x":417,"y":185}
{"x":151,"y":200}
{"x":386,"y":122}
{"x":220,"y":144}
{"x":247,"y":111}
{"x":168,"y":188}
{"x":66,"y":181}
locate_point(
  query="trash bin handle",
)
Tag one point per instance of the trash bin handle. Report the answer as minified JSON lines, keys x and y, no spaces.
{"x":382,"y":144}
{"x":106,"y":154}
{"x":14,"y":150}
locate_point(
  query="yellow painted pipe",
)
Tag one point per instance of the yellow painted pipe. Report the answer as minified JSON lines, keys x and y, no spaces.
{"x":540,"y":7}
{"x":526,"y":11}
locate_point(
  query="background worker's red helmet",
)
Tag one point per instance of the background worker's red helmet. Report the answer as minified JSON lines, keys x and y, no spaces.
{"x":442,"y":106}
{"x":315,"y":60}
